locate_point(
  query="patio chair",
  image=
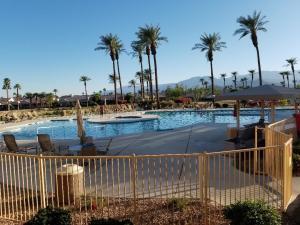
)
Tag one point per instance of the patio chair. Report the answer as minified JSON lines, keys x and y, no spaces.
{"x":46,"y":144}
{"x":12,"y":146}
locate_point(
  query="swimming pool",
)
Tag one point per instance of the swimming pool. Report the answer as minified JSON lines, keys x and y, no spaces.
{"x":168,"y":120}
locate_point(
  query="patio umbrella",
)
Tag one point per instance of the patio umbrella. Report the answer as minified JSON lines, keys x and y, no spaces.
{"x":80,"y":127}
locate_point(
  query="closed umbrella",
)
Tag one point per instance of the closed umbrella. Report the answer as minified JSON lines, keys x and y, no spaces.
{"x":80,"y":127}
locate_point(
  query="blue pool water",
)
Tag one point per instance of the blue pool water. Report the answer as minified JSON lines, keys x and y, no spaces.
{"x":167,"y":120}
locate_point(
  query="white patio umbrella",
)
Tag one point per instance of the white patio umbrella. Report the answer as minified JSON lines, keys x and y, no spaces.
{"x":80,"y":127}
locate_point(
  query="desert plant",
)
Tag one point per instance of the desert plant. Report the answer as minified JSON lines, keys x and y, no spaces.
{"x":252,"y":212}
{"x":95,"y":221}
{"x":51,"y":216}
{"x":177,"y":204}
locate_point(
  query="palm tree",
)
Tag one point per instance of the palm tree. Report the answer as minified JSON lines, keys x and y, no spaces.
{"x":283,"y":77}
{"x":140,"y":77}
{"x":113,"y":80}
{"x":223,"y":75}
{"x":252,"y":76}
{"x":85,"y":79}
{"x":17,"y":87}
{"x":55,"y":91}
{"x":137,"y":48}
{"x":104,"y":91}
{"x":109,"y":44}
{"x":7,"y":86}
{"x":282,"y":83}
{"x":151,"y":37}
{"x":292,"y":62}
{"x":287,"y":74}
{"x":234,"y":74}
{"x":251,"y":25}
{"x":36,"y":95}
{"x":242,"y":81}
{"x":132,"y":83}
{"x":202,"y":81}
{"x":29,"y":96}
{"x":205,"y":84}
{"x":119,"y":49}
{"x":147,"y":78}
{"x":210,"y":43}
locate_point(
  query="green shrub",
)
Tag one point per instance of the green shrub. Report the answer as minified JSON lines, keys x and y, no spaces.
{"x":51,"y":216}
{"x":252,"y":212}
{"x":177,"y":204}
{"x":101,"y":221}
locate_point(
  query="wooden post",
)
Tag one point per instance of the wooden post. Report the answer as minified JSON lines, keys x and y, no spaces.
{"x":262,"y":112}
{"x":42,"y":180}
{"x":133,"y":172}
{"x":205,"y":186}
{"x":255,"y":151}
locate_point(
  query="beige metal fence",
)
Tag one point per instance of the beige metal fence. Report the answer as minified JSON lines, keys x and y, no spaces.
{"x":148,"y":189}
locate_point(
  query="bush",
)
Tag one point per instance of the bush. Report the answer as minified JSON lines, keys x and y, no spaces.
{"x":95,"y":221}
{"x":183,"y":100}
{"x":51,"y":216}
{"x":252,"y":212}
{"x":177,"y":204}
{"x":225,"y":105}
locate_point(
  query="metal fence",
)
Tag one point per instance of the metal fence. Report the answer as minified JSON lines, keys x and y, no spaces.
{"x":148,"y":189}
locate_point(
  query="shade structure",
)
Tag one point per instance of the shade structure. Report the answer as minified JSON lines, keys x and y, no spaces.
{"x":262,"y":93}
{"x":80,"y":127}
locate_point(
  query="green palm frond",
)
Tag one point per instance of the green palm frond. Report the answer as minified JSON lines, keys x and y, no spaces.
{"x":151,"y":35}
{"x":251,"y":24}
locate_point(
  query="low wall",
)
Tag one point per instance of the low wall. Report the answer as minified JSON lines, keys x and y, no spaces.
{"x":30,"y":114}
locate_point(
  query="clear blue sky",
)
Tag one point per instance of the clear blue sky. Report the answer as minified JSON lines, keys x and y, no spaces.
{"x":49,"y":44}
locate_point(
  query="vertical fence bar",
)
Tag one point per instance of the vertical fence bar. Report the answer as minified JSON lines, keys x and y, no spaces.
{"x":42,"y":180}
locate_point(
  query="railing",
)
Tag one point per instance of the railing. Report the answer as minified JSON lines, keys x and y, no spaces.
{"x":148,"y":189}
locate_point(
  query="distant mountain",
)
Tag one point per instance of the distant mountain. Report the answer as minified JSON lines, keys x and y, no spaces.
{"x":269,"y":77}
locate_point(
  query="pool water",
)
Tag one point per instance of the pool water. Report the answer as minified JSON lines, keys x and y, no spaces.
{"x":168,"y":120}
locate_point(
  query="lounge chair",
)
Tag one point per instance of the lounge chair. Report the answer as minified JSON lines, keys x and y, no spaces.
{"x":46,"y":144}
{"x":12,"y":146}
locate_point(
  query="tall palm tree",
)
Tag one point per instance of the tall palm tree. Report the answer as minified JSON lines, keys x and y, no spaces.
{"x":283,"y":77}
{"x":29,"y":96}
{"x":210,"y":43}
{"x":252,"y":72}
{"x":223,"y":75}
{"x":202,"y":81}
{"x":109,"y":44}
{"x":119,"y":49}
{"x":132,"y":83}
{"x":251,"y":25}
{"x":137,"y":48}
{"x":291,"y":62}
{"x":234,"y":74}
{"x":7,"y":86}
{"x":17,"y":87}
{"x":85,"y":79}
{"x":151,"y":37}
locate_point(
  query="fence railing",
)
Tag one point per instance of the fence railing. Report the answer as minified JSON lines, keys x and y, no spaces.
{"x":148,"y":189}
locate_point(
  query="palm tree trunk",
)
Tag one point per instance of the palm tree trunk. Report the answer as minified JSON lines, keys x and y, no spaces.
{"x":86,"y":95}
{"x":120,"y":80}
{"x":18,"y":99}
{"x":224,"y":83}
{"x":212,"y":79}
{"x":142,"y":80}
{"x":288,"y":80}
{"x":115,"y":82}
{"x":259,"y":66}
{"x":293,"y":71}
{"x":150,"y":78}
{"x":251,"y":81}
{"x":156,"y":81}
{"x":8,"y":107}
{"x":133,"y":93}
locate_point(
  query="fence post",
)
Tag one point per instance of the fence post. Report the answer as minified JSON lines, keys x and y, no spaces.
{"x":42,"y":180}
{"x":205,"y":185}
{"x":133,"y":172}
{"x":200,"y":175}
